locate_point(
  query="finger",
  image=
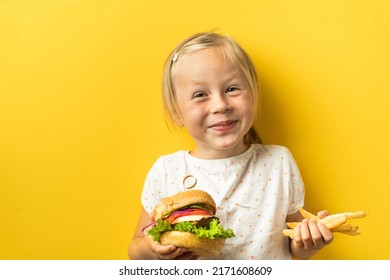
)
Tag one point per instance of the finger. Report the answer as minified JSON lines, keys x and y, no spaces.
{"x":185,"y":256}
{"x":306,"y":235}
{"x":195,"y":257}
{"x":166,"y":252}
{"x":178,"y":254}
{"x":316,"y":235}
{"x":326,"y":234}
{"x":322,"y":214}
{"x":164,"y":249}
{"x":151,"y":217}
{"x":297,"y":236}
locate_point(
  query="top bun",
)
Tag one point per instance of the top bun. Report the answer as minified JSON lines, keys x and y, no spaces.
{"x":182,"y":199}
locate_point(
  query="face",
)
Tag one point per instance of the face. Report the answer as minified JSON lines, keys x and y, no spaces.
{"x":215,"y":103}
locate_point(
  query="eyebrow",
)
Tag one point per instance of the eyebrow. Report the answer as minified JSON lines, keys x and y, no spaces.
{"x":231,"y":76}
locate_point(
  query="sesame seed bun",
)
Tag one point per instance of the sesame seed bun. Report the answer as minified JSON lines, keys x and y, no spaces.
{"x":182,"y":199}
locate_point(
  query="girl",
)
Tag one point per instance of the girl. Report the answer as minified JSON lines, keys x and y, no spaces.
{"x":210,"y":87}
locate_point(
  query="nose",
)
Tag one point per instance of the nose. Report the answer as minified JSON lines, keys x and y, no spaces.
{"x":220,"y":104}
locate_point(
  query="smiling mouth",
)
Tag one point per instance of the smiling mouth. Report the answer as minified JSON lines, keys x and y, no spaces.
{"x":223,"y":124}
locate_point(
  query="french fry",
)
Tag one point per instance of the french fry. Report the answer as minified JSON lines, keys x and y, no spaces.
{"x":351,"y":232}
{"x":343,"y":227}
{"x":335,"y":222}
{"x":354,"y":229}
{"x":292,"y":224}
{"x":289,"y":232}
{"x":308,"y":215}
{"x":355,"y":215}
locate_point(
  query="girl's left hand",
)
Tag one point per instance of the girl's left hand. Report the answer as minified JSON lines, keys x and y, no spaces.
{"x":312,"y":235}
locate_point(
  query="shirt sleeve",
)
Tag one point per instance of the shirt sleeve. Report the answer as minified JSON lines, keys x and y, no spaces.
{"x":297,"y":188}
{"x":155,"y":179}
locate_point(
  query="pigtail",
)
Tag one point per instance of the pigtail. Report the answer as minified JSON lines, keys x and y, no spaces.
{"x":251,"y":137}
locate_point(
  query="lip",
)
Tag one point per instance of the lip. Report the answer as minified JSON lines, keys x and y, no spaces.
{"x":223,"y":125}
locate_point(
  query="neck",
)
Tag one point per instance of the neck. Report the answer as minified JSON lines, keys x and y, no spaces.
{"x":220,"y":153}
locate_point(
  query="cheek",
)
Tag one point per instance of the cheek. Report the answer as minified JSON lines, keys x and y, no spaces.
{"x":246,"y":107}
{"x":195,"y":119}
{"x":251,"y":117}
{"x":251,"y":112}
{"x":191,"y":115}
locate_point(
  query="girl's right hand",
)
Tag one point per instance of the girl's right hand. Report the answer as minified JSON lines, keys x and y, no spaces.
{"x":169,"y":252}
{"x":144,"y":248}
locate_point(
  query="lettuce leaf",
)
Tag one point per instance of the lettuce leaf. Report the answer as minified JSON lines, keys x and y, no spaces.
{"x":214,"y":230}
{"x":159,"y":228}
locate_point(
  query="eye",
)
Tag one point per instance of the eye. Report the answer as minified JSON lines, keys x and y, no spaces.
{"x":199,"y":95}
{"x":232,"y":88}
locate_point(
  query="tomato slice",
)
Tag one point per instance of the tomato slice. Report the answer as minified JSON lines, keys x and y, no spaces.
{"x":178,"y":214}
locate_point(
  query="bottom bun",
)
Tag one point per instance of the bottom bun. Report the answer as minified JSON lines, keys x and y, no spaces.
{"x":198,"y":245}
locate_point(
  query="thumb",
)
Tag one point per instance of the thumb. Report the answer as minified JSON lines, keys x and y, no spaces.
{"x":151,"y":216}
{"x":322,"y":214}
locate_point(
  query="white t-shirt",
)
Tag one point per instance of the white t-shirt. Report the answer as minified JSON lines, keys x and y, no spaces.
{"x":254,"y":193}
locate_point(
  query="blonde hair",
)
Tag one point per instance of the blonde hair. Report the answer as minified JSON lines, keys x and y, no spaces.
{"x":233,"y":52}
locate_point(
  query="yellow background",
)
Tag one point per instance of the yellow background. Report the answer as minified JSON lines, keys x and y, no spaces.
{"x":81,"y":120}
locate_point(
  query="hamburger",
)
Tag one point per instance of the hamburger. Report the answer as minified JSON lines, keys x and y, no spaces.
{"x":187,"y":219}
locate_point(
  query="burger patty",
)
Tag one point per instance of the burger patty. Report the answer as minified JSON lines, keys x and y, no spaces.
{"x":205,"y":222}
